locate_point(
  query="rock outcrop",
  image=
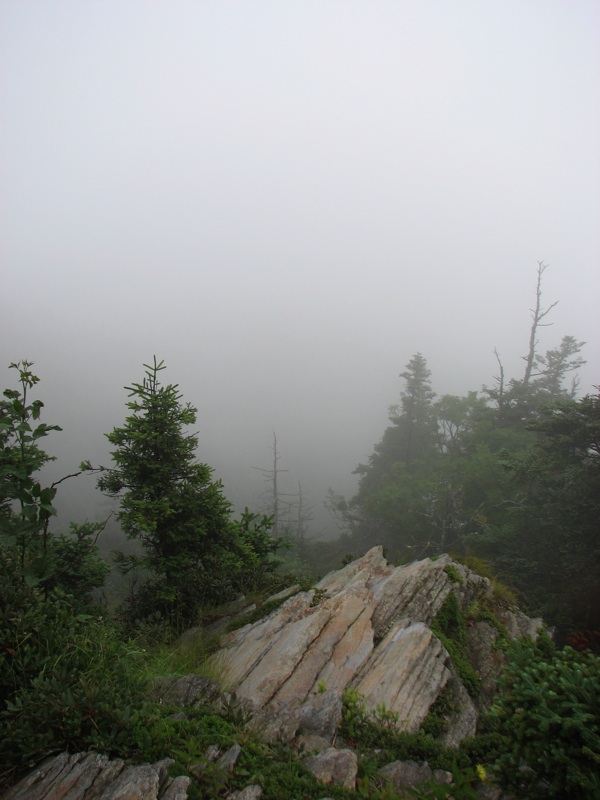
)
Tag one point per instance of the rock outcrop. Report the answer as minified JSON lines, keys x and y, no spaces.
{"x":366,"y":627}
{"x":90,"y":776}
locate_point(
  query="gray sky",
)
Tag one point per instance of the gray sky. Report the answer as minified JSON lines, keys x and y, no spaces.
{"x":285,"y":201}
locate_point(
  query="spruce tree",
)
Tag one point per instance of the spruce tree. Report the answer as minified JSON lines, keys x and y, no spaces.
{"x":172,"y":505}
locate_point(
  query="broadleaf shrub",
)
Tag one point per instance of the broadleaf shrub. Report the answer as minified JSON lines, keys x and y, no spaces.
{"x":66,"y":680}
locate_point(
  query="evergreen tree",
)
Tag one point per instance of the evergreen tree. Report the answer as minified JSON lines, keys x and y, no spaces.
{"x":414,"y":417}
{"x":171,"y":504}
{"x":390,"y":505}
{"x":549,"y":544}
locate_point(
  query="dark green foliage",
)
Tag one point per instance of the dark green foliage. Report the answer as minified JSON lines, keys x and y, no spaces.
{"x":524,"y":498}
{"x":70,"y":562}
{"x":453,"y":574}
{"x":484,"y":748}
{"x":195,"y":553}
{"x":275,"y":767}
{"x":463,"y":788}
{"x":450,"y":628}
{"x":436,"y":721}
{"x":79,"y":567}
{"x":379,"y":742}
{"x":278,"y":771}
{"x":434,"y":479}
{"x":378,"y":732}
{"x":25,"y":506}
{"x":66,"y":681}
{"x":549,"y":543}
{"x":186,"y":741}
{"x":549,"y":711}
{"x":397,"y":484}
{"x":511,"y":476}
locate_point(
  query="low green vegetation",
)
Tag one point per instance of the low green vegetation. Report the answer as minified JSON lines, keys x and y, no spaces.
{"x":549,"y":710}
{"x":67,"y":678}
{"x":378,"y":740}
{"x":70,"y":677}
{"x":450,"y":627}
{"x":453,"y":574}
{"x":436,"y":721}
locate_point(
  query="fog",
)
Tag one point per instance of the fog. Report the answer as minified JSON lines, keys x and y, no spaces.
{"x":285,"y":201}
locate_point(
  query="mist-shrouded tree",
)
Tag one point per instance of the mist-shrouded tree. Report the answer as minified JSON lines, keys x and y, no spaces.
{"x":413,"y":418}
{"x":193,"y":550}
{"x":550,"y":541}
{"x":510,"y":475}
{"x":389,"y":506}
{"x":412,"y":436}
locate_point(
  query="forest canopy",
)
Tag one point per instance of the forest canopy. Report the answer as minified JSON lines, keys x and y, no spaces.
{"x":510,"y":474}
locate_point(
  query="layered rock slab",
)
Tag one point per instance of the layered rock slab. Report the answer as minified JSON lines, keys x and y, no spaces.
{"x":366,"y":626}
{"x":91,"y":776}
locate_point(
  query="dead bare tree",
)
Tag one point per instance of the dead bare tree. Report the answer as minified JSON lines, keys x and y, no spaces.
{"x":538,"y":314}
{"x":275,"y":500}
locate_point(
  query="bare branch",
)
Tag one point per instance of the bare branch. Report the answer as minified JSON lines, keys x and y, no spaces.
{"x":537,"y":314}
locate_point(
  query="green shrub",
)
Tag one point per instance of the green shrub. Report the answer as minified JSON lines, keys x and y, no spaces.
{"x":478,"y":565}
{"x":66,"y":680}
{"x":450,"y":628}
{"x":377,"y":731}
{"x":436,"y":721}
{"x":549,"y":710}
{"x":80,"y":567}
{"x":462,"y":788}
{"x":453,"y":574}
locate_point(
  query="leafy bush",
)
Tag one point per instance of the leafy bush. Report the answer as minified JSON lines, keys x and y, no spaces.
{"x":377,"y":730}
{"x":462,"y":787}
{"x":453,"y":574}
{"x":549,"y":710}
{"x":25,"y":506}
{"x":66,"y":680}
{"x":80,"y":567}
{"x":436,"y":722}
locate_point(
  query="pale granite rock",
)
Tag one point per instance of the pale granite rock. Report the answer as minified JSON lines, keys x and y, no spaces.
{"x":368,"y":627}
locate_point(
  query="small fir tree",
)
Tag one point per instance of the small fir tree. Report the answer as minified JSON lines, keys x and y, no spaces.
{"x":171,"y":504}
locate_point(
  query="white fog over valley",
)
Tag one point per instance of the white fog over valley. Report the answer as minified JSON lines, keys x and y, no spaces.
{"x":285,"y":201}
